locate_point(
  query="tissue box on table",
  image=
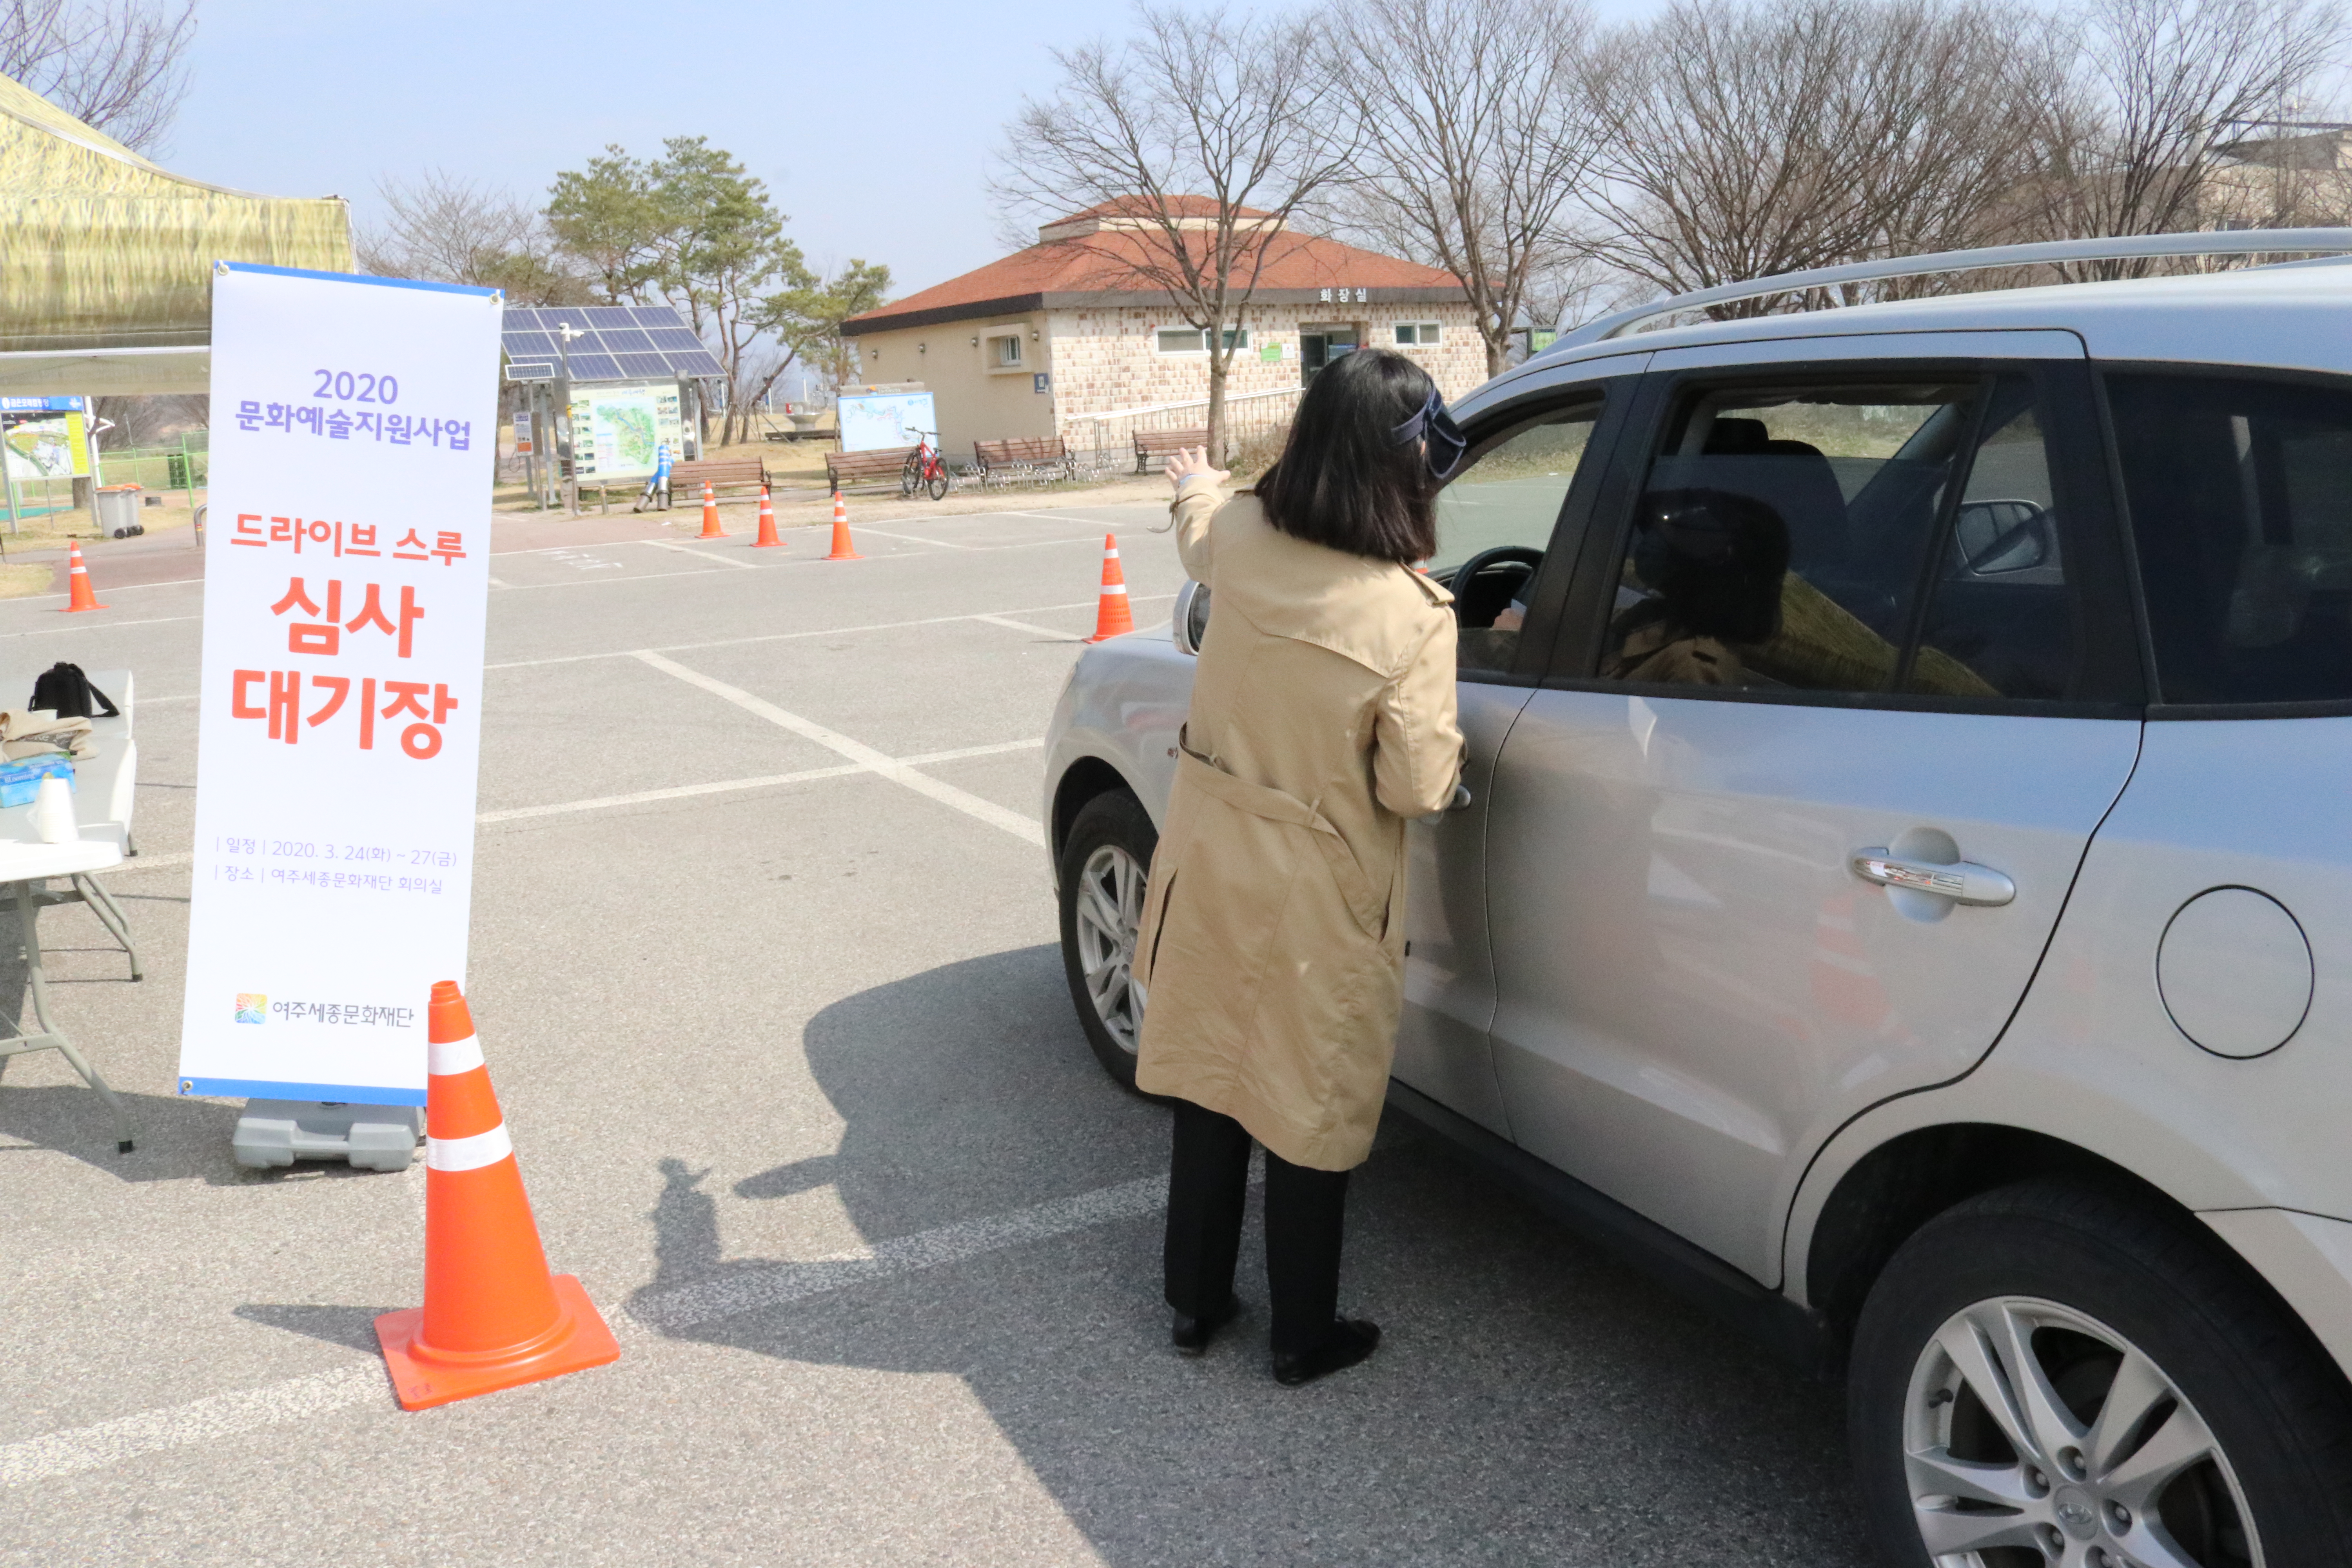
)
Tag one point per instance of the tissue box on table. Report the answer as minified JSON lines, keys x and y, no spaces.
{"x":21,"y":781}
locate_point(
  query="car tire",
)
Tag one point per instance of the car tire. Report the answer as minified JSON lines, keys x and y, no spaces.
{"x":1104,"y":866}
{"x":2066,"y":1289}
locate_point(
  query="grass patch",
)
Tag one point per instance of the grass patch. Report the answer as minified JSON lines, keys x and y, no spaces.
{"x":23,"y":581}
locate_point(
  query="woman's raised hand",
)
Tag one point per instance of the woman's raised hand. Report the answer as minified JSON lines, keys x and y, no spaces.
{"x":1191,"y":462}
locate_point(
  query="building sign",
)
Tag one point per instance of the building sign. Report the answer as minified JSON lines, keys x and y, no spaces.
{"x":522,"y":434}
{"x":45,"y":438}
{"x":618,"y":430}
{"x":1041,"y":383}
{"x":877,"y":420}
{"x":346,"y":577}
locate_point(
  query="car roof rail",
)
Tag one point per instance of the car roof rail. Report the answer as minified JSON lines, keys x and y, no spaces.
{"x":2324,"y":242}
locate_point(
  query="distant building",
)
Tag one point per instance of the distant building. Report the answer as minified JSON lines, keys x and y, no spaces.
{"x":1035,"y":343}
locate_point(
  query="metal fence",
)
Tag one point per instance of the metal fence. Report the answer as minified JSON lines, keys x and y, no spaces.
{"x":1104,"y":443}
{"x":184,"y":466}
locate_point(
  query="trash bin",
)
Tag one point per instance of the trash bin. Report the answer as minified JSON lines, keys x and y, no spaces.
{"x":117,"y":511}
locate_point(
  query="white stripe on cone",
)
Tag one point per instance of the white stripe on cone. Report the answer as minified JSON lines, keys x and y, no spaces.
{"x":446,"y":1059}
{"x":468,"y":1154}
{"x":1114,"y":588}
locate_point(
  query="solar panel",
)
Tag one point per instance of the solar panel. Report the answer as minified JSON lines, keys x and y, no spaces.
{"x":608,"y":343}
{"x":595,"y":367}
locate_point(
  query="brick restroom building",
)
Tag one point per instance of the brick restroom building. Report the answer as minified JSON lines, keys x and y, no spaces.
{"x":1033,"y":344}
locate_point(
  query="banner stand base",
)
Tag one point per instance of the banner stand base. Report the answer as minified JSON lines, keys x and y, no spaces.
{"x":371,"y":1137}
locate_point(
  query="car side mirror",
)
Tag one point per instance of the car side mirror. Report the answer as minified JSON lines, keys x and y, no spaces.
{"x":1190,"y":624}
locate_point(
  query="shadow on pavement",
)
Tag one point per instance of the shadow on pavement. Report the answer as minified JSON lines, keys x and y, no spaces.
{"x":1532,"y":1401}
{"x":352,"y":1326}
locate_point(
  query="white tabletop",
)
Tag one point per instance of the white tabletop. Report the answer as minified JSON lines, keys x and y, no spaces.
{"x":22,"y":861}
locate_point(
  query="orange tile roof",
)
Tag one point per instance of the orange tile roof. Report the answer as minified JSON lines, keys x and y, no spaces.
{"x":1101,"y":269}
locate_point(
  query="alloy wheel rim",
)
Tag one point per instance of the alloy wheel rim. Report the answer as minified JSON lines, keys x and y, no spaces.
{"x":2034,"y":1434}
{"x":1109,"y":911}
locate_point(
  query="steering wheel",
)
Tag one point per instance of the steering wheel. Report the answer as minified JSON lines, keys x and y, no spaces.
{"x":1484,"y":585}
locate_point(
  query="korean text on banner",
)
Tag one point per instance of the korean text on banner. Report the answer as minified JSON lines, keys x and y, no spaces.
{"x":346,"y":579}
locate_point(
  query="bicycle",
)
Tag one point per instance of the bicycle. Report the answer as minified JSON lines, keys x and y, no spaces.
{"x":925,"y":468}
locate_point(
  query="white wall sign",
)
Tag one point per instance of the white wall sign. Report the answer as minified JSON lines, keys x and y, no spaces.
{"x":346,"y":578}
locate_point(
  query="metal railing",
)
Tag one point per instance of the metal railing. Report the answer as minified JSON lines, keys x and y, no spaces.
{"x":1104,"y":443}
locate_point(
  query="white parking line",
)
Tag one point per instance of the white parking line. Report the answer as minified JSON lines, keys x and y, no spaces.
{"x":1008,"y":621}
{"x":698,"y":554}
{"x":224,"y":1416}
{"x":676,"y":792}
{"x":890,"y":768}
{"x":820,"y":632}
{"x":99,"y":626}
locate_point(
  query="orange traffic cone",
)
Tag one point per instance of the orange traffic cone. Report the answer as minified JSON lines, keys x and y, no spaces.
{"x":493,"y":1316}
{"x":767,"y":524}
{"x":1112,"y":617}
{"x":843,"y":550}
{"x":710,"y":529}
{"x":77,"y":582}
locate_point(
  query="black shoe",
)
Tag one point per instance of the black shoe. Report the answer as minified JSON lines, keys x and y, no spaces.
{"x":1349,"y":1341}
{"x":1192,"y":1335}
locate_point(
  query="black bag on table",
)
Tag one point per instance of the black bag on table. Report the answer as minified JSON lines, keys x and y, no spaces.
{"x":65,"y":690}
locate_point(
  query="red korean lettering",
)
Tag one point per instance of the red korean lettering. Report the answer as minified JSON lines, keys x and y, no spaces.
{"x":340,"y":685}
{"x":312,"y":636}
{"x":248,"y":535}
{"x":285,"y":705}
{"x":238,"y":707}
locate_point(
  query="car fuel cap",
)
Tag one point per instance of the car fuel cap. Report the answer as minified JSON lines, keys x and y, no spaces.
{"x":2236,"y":971}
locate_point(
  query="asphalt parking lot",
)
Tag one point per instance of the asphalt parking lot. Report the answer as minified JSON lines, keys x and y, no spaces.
{"x":764,"y":968}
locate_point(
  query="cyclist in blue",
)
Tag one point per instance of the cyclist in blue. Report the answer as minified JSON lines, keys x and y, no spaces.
{"x":660,"y":481}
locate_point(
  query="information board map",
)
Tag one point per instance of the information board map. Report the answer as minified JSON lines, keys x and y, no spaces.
{"x":875,"y":422}
{"x":616,"y":430}
{"x":44,"y":438}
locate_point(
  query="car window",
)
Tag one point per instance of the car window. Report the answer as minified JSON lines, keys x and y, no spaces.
{"x":2240,"y":498}
{"x":1782,"y":538}
{"x":1998,"y":614}
{"x":1505,"y":500}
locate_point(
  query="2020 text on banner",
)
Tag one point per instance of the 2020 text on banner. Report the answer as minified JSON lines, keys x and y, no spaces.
{"x":346,"y":582}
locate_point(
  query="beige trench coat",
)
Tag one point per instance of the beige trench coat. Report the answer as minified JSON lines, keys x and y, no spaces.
{"x":1271,"y":950}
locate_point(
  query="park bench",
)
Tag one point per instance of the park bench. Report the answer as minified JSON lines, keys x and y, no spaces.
{"x":1030,"y":458}
{"x":1150,"y":444}
{"x":843,"y":468}
{"x":721,"y":474}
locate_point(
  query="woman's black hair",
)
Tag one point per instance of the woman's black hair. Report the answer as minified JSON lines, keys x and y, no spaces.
{"x":1341,"y":480}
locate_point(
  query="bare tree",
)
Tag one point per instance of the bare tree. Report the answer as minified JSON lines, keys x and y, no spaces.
{"x":1474,"y":121}
{"x":1190,"y":148}
{"x":117,"y":66}
{"x":2158,"y":91}
{"x":1771,"y":137}
{"x":450,"y":230}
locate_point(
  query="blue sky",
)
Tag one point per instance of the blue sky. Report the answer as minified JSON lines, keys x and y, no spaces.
{"x":871,"y":123}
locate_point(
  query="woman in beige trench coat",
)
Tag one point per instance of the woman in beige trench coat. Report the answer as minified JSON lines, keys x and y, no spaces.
{"x":1272,"y":942}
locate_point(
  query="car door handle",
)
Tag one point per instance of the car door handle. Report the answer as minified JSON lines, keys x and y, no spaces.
{"x":1960,"y":881}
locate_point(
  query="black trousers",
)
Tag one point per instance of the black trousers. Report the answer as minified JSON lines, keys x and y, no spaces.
{"x":1208,"y":1180}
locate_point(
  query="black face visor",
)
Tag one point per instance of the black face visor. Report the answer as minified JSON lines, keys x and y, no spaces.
{"x":1444,"y":438}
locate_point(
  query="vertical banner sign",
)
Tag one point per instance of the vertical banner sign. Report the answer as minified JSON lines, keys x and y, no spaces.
{"x":346,"y":579}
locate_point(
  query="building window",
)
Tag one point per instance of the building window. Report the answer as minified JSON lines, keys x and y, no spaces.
{"x":1195,"y":340}
{"x":1004,"y":353}
{"x":1420,"y":333}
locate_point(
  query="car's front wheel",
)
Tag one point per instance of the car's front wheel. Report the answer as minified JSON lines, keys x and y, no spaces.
{"x":2055,"y":1375}
{"x":1104,"y":867}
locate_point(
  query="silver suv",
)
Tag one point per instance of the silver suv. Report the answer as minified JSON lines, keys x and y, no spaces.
{"x":1903,"y":899}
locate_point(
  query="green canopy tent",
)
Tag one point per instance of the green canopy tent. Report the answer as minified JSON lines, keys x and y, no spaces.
{"x":106,"y":271}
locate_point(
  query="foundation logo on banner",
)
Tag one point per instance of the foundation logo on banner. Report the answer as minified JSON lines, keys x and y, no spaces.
{"x":252,"y":1008}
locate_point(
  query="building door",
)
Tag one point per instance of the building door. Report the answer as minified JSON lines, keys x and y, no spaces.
{"x":1318,"y":346}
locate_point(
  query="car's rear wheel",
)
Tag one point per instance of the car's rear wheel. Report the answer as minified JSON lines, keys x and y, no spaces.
{"x":1104,"y":866}
{"x":2053,"y":1373}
